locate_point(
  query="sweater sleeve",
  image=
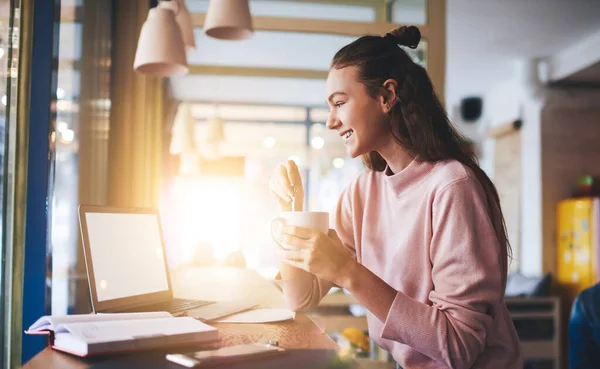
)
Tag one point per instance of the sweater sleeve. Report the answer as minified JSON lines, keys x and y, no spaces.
{"x":304,"y":290}
{"x":467,"y":277}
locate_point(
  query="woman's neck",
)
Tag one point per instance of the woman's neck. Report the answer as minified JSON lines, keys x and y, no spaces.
{"x":395,"y":155}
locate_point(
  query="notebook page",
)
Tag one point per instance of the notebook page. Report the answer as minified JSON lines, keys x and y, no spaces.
{"x":50,"y":322}
{"x":108,"y":331}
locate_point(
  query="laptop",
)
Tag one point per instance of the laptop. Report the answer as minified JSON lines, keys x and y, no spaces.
{"x":127,"y":268}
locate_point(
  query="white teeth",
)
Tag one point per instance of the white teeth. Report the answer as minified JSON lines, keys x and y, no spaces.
{"x":348,"y":134}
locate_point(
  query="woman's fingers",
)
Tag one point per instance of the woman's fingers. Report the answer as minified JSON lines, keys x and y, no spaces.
{"x":333,"y":234}
{"x":286,"y":185}
{"x":294,"y":263}
{"x":293,"y":174}
{"x":299,"y":232}
{"x":294,"y":241}
{"x":284,"y":205}
{"x":284,"y":179}
{"x":296,"y":190}
{"x":279,"y":193}
{"x":280,"y":185}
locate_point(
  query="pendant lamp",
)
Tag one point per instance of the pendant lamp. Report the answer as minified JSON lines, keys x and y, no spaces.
{"x":183,"y":132}
{"x":184,"y":20}
{"x":183,"y":141}
{"x":160,"y":50}
{"x":216,"y":130}
{"x":228,"y":20}
{"x":211,"y":145}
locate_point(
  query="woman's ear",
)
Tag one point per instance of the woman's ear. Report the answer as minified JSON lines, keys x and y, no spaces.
{"x":389,"y":97}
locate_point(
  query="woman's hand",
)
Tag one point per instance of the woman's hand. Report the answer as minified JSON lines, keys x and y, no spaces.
{"x":322,"y":255}
{"x":286,"y":183}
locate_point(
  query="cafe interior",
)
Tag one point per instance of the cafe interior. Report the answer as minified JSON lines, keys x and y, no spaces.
{"x":188,"y":107}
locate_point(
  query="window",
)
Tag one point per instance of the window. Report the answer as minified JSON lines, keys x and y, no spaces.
{"x":272,"y":106}
{"x":222,"y":218}
{"x":299,"y":9}
{"x":271,"y":49}
{"x":250,"y":90}
{"x":409,"y":12}
{"x":80,"y":140}
{"x":9,"y":72}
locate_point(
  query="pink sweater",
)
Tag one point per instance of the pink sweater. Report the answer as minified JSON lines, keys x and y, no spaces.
{"x":426,"y":232}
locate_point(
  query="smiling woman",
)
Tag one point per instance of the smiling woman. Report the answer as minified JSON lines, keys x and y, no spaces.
{"x":434,"y":296}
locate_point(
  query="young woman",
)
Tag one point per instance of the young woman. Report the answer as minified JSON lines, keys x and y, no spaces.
{"x":419,"y":236}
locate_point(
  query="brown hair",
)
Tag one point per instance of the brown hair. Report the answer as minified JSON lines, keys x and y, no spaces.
{"x":418,"y":119}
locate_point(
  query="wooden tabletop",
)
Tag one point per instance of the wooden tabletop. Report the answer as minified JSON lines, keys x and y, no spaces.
{"x":216,"y":285}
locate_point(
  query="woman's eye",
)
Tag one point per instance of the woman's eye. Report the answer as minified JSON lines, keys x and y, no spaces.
{"x":338,"y":104}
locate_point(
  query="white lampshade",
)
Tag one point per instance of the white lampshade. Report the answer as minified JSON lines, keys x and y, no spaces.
{"x":160,"y":50}
{"x":216,"y":130}
{"x":183,"y":132}
{"x":228,"y":20}
{"x":184,"y":20}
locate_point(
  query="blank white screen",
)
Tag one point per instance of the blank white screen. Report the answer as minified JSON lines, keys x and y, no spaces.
{"x":127,"y":254}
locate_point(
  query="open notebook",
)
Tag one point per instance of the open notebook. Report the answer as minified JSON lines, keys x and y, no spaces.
{"x":94,"y":334}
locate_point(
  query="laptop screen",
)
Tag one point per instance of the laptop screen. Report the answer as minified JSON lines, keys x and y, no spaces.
{"x":126,"y":254}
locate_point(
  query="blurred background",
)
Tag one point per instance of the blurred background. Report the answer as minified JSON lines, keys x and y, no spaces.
{"x":520,"y":79}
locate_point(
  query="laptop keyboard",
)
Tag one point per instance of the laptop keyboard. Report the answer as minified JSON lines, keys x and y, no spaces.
{"x":172,"y":306}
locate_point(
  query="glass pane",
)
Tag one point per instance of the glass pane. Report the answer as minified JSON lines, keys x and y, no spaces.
{"x":80,"y":109}
{"x":419,"y":55}
{"x":409,"y":12}
{"x":319,"y":114}
{"x":259,"y":90}
{"x":203,"y":212}
{"x":253,"y":138}
{"x":70,"y":3}
{"x":68,"y":84}
{"x":9,"y":69}
{"x":69,"y":47}
{"x":64,"y":194}
{"x":249,"y":112}
{"x":270,"y":49}
{"x":330,"y":170}
{"x":299,"y":9}
{"x":4,"y":83}
{"x":4,"y":87}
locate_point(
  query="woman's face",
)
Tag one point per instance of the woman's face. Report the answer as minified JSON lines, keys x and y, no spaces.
{"x":360,"y":120}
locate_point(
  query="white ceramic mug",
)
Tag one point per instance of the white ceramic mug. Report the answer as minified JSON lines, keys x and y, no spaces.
{"x":308,"y":219}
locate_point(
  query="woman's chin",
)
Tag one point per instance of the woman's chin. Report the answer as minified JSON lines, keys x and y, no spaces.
{"x":354,"y":152}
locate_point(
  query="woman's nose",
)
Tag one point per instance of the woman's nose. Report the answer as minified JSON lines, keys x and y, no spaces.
{"x":332,"y":121}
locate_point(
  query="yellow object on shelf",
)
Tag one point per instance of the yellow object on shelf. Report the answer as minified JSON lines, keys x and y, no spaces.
{"x":578,"y":239}
{"x":357,"y":337}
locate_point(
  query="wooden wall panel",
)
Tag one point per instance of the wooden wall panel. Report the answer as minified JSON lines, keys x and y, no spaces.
{"x":137,"y":117}
{"x":570,"y":149}
{"x":507,"y":178}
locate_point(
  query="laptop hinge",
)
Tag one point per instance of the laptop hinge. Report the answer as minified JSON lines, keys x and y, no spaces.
{"x":134,"y":306}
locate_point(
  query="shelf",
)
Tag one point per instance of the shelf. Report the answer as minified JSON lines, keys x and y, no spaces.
{"x":539,"y":349}
{"x":533,"y":315}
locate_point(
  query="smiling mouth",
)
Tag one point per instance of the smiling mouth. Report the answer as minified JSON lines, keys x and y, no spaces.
{"x":347,"y":134}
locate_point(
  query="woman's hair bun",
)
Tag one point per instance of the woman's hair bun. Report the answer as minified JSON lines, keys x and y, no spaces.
{"x":406,"y":36}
